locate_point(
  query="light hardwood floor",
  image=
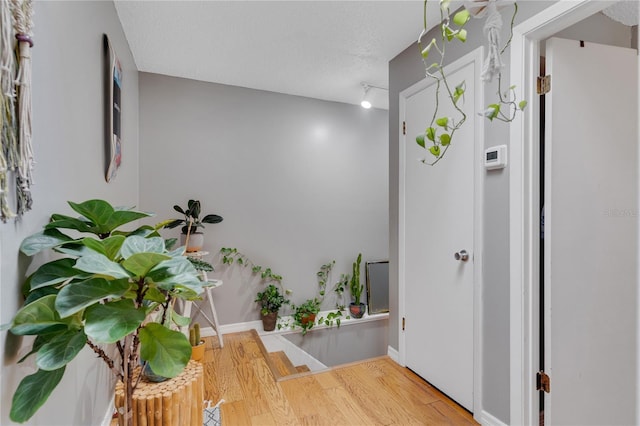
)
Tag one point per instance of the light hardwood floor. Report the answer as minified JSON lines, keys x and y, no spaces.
{"x":371,"y":392}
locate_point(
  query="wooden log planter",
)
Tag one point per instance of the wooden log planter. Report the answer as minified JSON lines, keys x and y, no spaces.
{"x":174,"y":402}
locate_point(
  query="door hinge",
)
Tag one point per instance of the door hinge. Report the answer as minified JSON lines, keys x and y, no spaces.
{"x":403,"y":322}
{"x":543,"y":85}
{"x":543,"y":382}
{"x":404,"y":127}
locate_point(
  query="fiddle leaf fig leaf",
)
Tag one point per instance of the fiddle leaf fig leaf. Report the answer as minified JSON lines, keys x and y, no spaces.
{"x":154,"y":295}
{"x":420,"y":140}
{"x":67,"y":222}
{"x":435,"y":150}
{"x":32,"y":392}
{"x":140,"y":264}
{"x":55,"y":272}
{"x":108,"y":247}
{"x":112,"y":321}
{"x":179,"y":320}
{"x":166,"y":351}
{"x":461,"y":17}
{"x":135,"y":244}
{"x":49,"y":238}
{"x":38,"y":317}
{"x":100,"y":264}
{"x":175,"y":271}
{"x":60,"y":350}
{"x":77,"y":296}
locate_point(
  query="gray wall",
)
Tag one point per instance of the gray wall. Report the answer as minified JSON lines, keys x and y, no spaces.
{"x":68,"y":145}
{"x":299,"y":181}
{"x":405,"y":70}
{"x":341,"y":345}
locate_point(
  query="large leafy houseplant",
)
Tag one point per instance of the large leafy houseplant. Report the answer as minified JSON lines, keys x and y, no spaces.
{"x":108,"y":287}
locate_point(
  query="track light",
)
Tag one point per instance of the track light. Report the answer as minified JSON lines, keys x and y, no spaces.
{"x":366,"y":103}
{"x":366,"y":98}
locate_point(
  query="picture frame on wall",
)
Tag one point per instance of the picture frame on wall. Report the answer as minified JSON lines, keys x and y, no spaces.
{"x":113,"y":111}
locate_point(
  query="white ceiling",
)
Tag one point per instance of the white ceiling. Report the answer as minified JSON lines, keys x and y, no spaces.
{"x":317,"y":49}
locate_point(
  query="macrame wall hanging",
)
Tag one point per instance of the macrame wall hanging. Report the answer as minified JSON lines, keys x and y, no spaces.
{"x":16,"y":153}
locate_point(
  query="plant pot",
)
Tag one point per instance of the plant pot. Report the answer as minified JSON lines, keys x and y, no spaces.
{"x":196,"y":241}
{"x":357,"y":311}
{"x":309,"y":318}
{"x":149,"y":375}
{"x":197,"y":352}
{"x":269,"y":320}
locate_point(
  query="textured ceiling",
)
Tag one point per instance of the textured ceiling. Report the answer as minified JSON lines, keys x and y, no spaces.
{"x":625,"y":12}
{"x":317,"y":49}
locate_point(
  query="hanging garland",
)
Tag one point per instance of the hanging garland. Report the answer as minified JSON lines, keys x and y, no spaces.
{"x":16,"y":152}
{"x":440,"y":132}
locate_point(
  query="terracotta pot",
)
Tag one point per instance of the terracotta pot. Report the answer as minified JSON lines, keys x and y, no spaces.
{"x":196,"y":241}
{"x":197,"y":352}
{"x":269,"y":321}
{"x":309,"y":318}
{"x":357,"y":311}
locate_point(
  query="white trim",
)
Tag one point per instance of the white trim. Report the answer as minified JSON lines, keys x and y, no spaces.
{"x":523,"y":196}
{"x":486,"y":419}
{"x":393,"y":354}
{"x":257,"y":325}
{"x":478,"y":238}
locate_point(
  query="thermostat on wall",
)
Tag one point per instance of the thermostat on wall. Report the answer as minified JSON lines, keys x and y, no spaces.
{"x":495,"y":157}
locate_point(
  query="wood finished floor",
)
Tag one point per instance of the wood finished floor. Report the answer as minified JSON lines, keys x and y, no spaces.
{"x":372,"y":392}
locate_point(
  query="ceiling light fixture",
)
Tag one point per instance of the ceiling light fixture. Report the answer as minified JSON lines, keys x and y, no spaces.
{"x":366,"y":98}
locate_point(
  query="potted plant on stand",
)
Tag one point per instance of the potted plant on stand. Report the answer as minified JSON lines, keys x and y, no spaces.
{"x":197,"y":344}
{"x":190,"y":236}
{"x":270,"y":302}
{"x":356,"y":308}
{"x":106,"y":286}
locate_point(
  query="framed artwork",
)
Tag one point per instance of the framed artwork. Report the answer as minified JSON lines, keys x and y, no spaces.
{"x":113,"y":111}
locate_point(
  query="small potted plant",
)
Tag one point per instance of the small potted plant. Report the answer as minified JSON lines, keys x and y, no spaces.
{"x":190,"y":225}
{"x":305,"y":314}
{"x":356,"y":308}
{"x":197,"y":344}
{"x":270,"y":302}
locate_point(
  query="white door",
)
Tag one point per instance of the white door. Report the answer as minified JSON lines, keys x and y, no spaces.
{"x":591,"y":234}
{"x":437,"y":221}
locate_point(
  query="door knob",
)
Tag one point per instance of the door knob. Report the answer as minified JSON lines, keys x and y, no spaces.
{"x":462,"y":255}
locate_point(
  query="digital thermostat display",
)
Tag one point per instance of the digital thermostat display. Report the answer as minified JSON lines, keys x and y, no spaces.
{"x":495,"y":157}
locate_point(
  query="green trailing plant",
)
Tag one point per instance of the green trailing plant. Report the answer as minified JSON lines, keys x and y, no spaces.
{"x":440,"y":132}
{"x":194,"y":335}
{"x":106,"y":286}
{"x":304,"y":315}
{"x":192,"y":218}
{"x":231,"y":256}
{"x":270,"y":300}
{"x":354,"y":285}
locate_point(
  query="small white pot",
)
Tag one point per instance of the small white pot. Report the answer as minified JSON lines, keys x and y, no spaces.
{"x":196,"y":241}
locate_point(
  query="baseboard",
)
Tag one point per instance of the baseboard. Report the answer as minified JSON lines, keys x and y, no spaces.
{"x":393,"y":354}
{"x":487,"y":419}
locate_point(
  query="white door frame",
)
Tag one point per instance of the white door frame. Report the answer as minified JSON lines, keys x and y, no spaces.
{"x":474,"y":56}
{"x":524,"y":179}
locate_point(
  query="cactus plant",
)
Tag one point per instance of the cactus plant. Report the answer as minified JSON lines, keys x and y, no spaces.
{"x":194,"y":335}
{"x":355,"y":287}
{"x":356,"y":308}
